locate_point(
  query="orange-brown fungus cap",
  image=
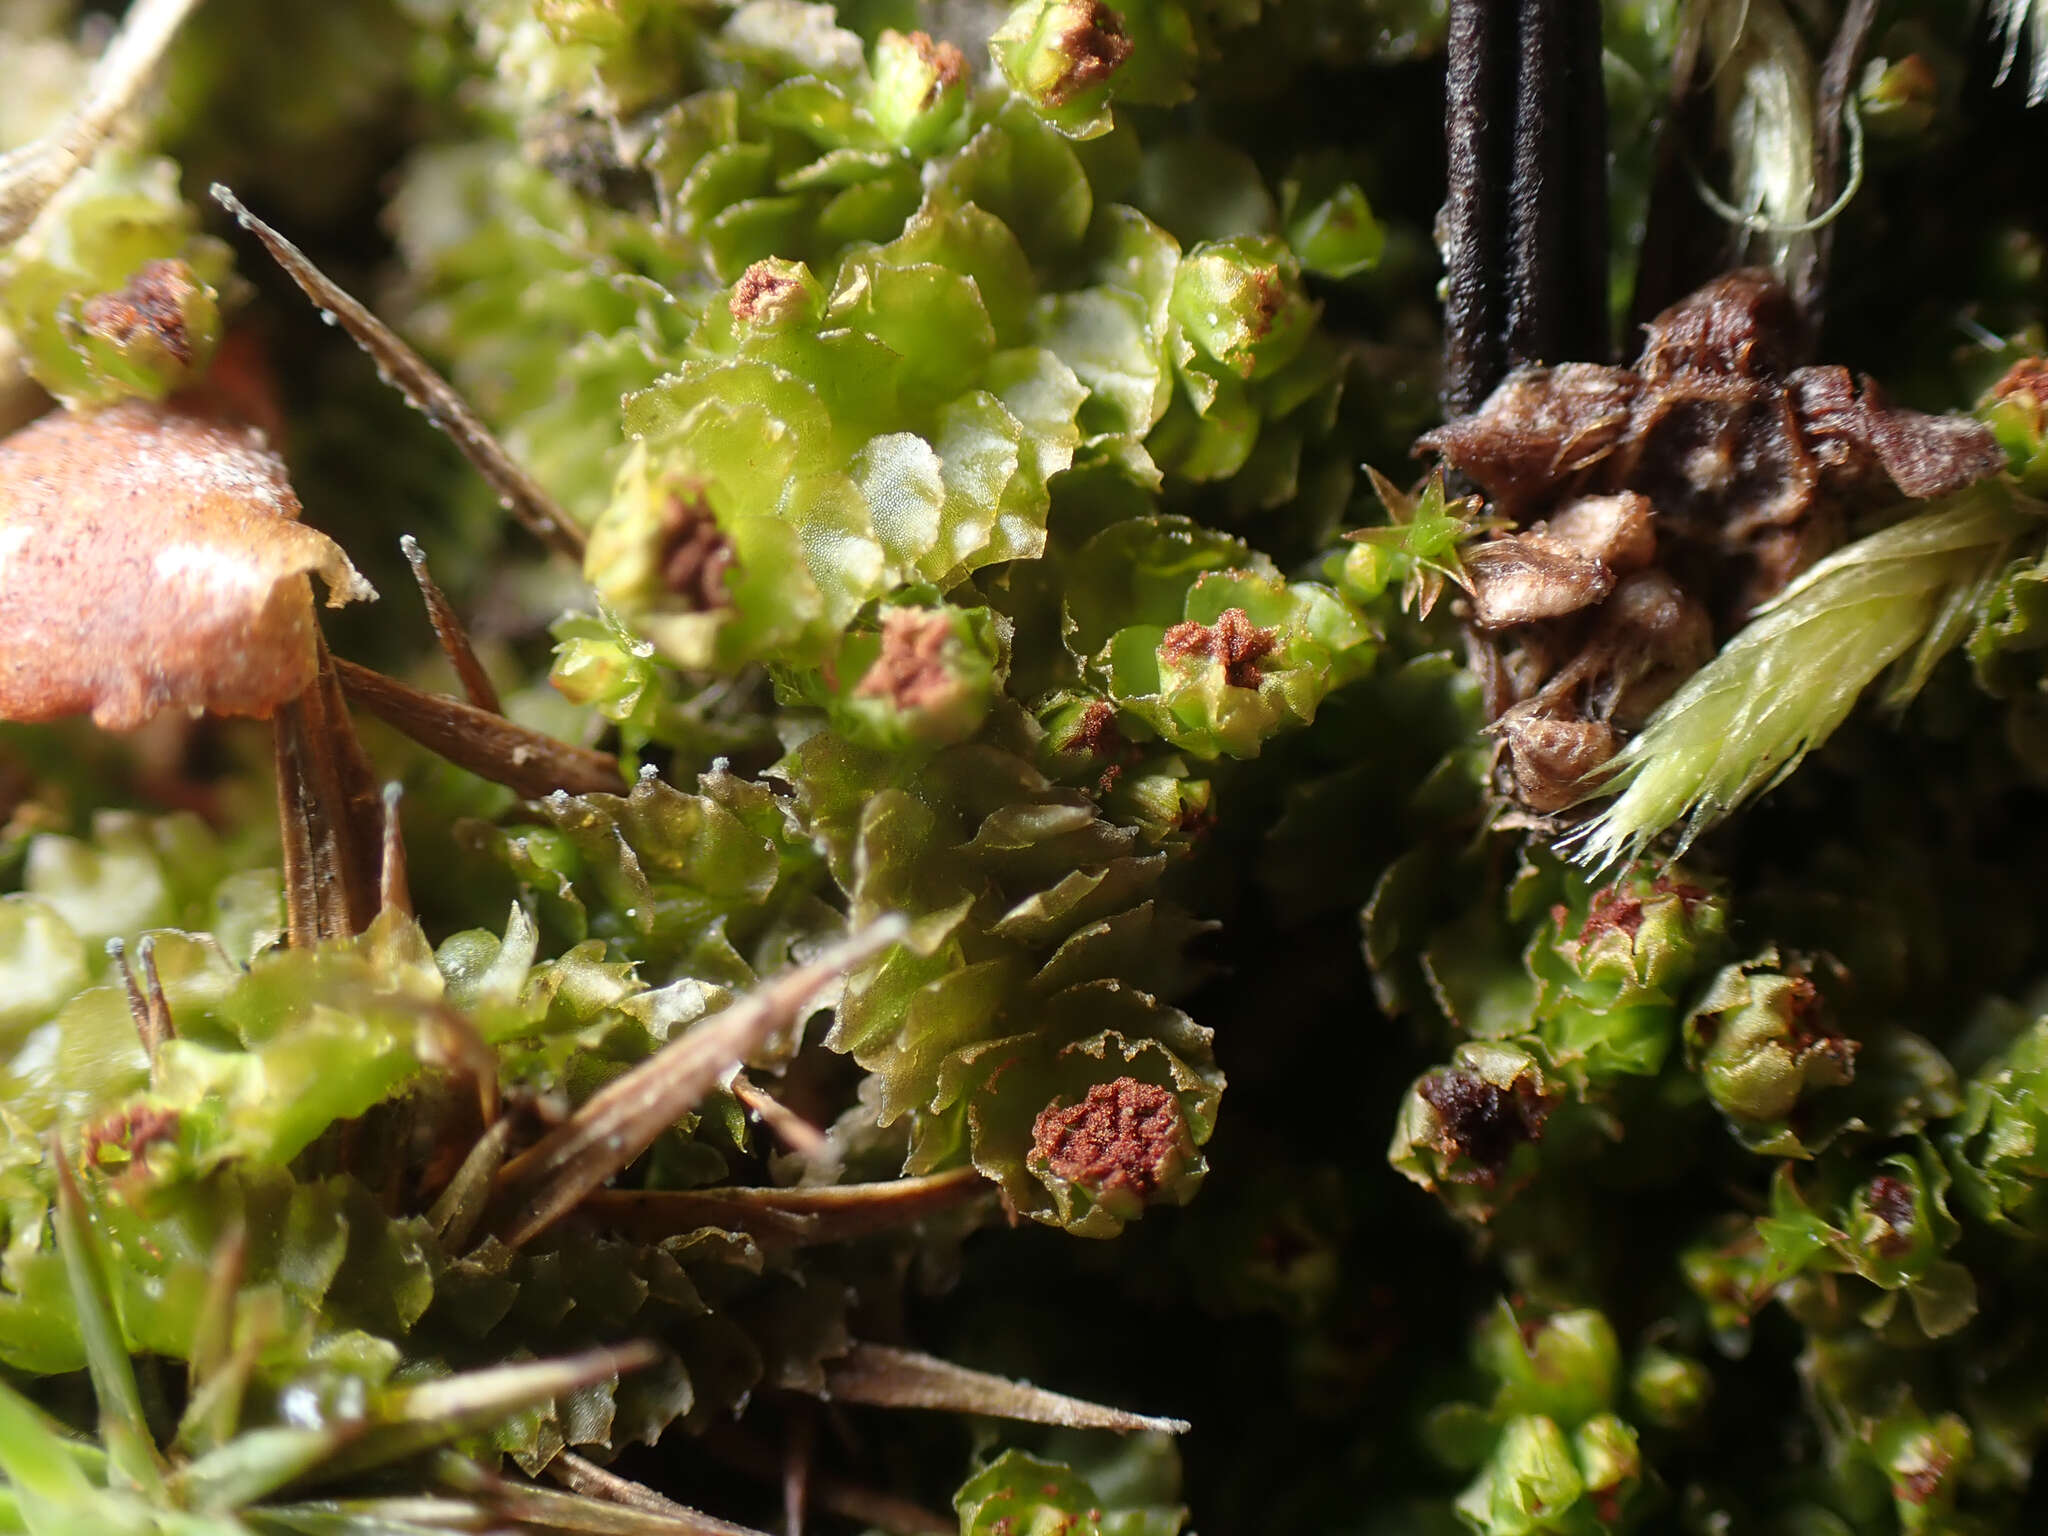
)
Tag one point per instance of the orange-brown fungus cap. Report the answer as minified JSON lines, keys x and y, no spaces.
{"x":151,"y":557}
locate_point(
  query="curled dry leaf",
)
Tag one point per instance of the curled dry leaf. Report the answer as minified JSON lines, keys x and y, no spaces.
{"x":151,"y":557}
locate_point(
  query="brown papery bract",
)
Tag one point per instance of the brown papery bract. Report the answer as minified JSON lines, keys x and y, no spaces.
{"x":151,"y":558}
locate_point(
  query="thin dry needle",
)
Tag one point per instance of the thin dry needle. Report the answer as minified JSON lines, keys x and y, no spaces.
{"x":903,"y":1378}
{"x":451,"y":632}
{"x":423,"y":388}
{"x":618,"y":1123}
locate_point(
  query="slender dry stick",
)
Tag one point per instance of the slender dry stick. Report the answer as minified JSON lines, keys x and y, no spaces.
{"x":330,"y":812}
{"x":394,"y":891}
{"x":594,"y":1482}
{"x":552,"y":1177}
{"x":148,"y":1011}
{"x":459,"y":1207}
{"x":315,"y":898}
{"x":836,"y":1495}
{"x":531,"y":763}
{"x":451,"y":632}
{"x":1538,"y":193}
{"x":800,"y":1432}
{"x":802,"y":1214}
{"x":1525,"y":209}
{"x":903,"y":1378}
{"x":574,"y":1512}
{"x":789,"y":1127}
{"x":423,"y":388}
{"x":34,"y":174}
{"x":1837,"y":80}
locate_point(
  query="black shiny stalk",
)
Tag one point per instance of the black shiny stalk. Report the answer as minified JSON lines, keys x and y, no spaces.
{"x":1525,"y":218}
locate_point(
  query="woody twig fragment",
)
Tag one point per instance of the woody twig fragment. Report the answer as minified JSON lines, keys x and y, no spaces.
{"x":825,"y":1213}
{"x":594,"y":1482}
{"x":1808,"y":278}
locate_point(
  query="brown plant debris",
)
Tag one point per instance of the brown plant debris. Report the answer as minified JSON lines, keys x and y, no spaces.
{"x":784,"y":1123}
{"x":130,"y":1132}
{"x":1618,"y":908}
{"x":451,"y":632}
{"x":1125,"y":1135}
{"x":615,"y":1125}
{"x":587,"y":1478}
{"x":424,"y":389}
{"x":1233,"y":640}
{"x":1743,"y":458}
{"x":531,"y":763}
{"x":902,"y":1378}
{"x":948,"y":64}
{"x":1524,"y":222}
{"x":330,"y":814}
{"x":519,"y":1505}
{"x":799,"y":1216}
{"x":1657,"y":505}
{"x":151,"y":558}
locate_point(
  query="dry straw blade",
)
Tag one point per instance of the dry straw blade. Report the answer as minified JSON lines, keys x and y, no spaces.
{"x":620,"y":1122}
{"x":903,"y":1378}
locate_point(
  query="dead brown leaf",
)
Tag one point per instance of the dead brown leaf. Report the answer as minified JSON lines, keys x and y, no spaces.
{"x":151,"y":558}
